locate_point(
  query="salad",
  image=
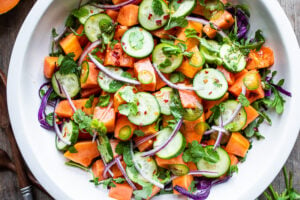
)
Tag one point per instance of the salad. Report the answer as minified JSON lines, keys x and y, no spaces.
{"x":158,"y":97}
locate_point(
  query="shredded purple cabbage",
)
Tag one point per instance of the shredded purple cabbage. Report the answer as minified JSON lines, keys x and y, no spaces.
{"x":242,"y":22}
{"x":279,"y":88}
{"x":204,"y":186}
{"x":41,"y":113}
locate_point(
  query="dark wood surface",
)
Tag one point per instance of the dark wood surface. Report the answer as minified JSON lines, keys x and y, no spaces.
{"x":10,"y":24}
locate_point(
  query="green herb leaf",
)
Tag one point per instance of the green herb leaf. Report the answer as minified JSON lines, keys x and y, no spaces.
{"x":190,"y":32}
{"x":177,"y":77}
{"x":70,"y":21}
{"x":49,"y":119}
{"x":157,"y":7}
{"x":243,"y":100}
{"x":81,"y":12}
{"x":143,"y":193}
{"x":165,"y":64}
{"x":67,"y":64}
{"x":128,"y":109}
{"x":171,"y":50}
{"x":232,"y":169}
{"x":103,"y":100}
{"x":138,"y":133}
{"x":176,"y":22}
{"x":176,"y":106}
{"x":73,"y":164}
{"x":195,"y":152}
{"x":72,"y":149}
{"x":123,"y":148}
{"x":89,"y":102}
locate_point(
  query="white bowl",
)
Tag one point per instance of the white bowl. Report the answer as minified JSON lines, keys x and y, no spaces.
{"x":47,"y":164}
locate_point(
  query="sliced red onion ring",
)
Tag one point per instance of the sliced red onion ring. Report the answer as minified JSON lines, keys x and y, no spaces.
{"x":200,"y":172}
{"x":237,"y":110}
{"x":114,"y":7}
{"x":145,"y":139}
{"x":169,"y":83}
{"x":205,"y":22}
{"x":68,"y":97}
{"x":154,"y":182}
{"x":42,"y":86}
{"x":219,"y":128}
{"x":41,"y":113}
{"x":56,"y":128}
{"x":163,"y":145}
{"x":112,"y":75}
{"x":87,"y":50}
{"x":120,"y":166}
{"x":220,"y":134}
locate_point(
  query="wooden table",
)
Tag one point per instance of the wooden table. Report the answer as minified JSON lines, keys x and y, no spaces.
{"x":9,"y":27}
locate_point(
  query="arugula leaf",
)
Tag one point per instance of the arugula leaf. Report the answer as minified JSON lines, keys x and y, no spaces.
{"x":167,"y":62}
{"x":103,"y":100}
{"x":89,"y":102}
{"x":252,"y":129}
{"x":128,"y":94}
{"x":67,"y":64}
{"x":243,"y":100}
{"x":128,"y":109}
{"x":176,"y":22}
{"x":177,"y":77}
{"x":143,"y":193}
{"x":138,"y":133}
{"x":72,"y":149}
{"x":157,"y":8}
{"x":195,"y":152}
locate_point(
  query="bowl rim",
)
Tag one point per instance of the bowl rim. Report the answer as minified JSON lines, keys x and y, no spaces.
{"x":18,"y":54}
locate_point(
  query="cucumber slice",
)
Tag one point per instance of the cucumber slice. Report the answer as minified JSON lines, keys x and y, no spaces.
{"x":220,"y":167}
{"x":85,"y":70}
{"x":211,"y":45}
{"x":148,"y":110}
{"x":174,"y":148}
{"x":134,"y":175}
{"x":163,"y":98}
{"x":125,"y":133}
{"x":211,"y":84}
{"x":70,"y":133}
{"x":158,"y":57}
{"x":233,"y":59}
{"x":137,"y":42}
{"x":107,"y":84}
{"x":88,"y":11}
{"x":105,"y":149}
{"x":147,"y":17}
{"x":239,"y":121}
{"x":69,"y":81}
{"x":192,"y":114}
{"x":99,"y":25}
{"x":211,"y":58}
{"x":181,"y":8}
{"x":197,"y":60}
{"x":179,"y":169}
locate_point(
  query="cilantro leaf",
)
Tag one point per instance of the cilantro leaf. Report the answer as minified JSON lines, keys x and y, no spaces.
{"x":67,"y":64}
{"x":176,"y":107}
{"x":157,"y":8}
{"x":176,"y":22}
{"x":195,"y":152}
{"x":107,"y":182}
{"x":167,"y":62}
{"x":138,"y":133}
{"x":177,"y":77}
{"x":81,"y":12}
{"x":89,"y":102}
{"x":171,"y":50}
{"x":103,"y":100}
{"x":190,"y":32}
{"x":123,"y":148}
{"x":243,"y":100}
{"x":128,"y":109}
{"x":49,"y":119}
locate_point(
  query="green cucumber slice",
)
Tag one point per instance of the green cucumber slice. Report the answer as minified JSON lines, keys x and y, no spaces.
{"x":163,"y":98}
{"x":211,"y":58}
{"x":181,"y":8}
{"x":220,"y":167}
{"x":70,"y":133}
{"x":239,"y":121}
{"x":137,"y":42}
{"x":148,"y":110}
{"x":174,"y":148}
{"x":211,"y":45}
{"x":99,"y":26}
{"x":107,"y":84}
{"x":147,"y":17}
{"x":69,"y":81}
{"x":125,"y":133}
{"x":233,"y":59}
{"x":158,"y":58}
{"x":211,"y":84}
{"x":86,"y":11}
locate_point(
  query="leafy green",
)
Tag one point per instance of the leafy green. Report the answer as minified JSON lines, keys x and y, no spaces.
{"x":288,"y":194}
{"x":167,"y":62}
{"x":138,"y":133}
{"x":103,"y":100}
{"x":67,"y":64}
{"x":176,"y":22}
{"x":144,"y":193}
{"x":81,"y":12}
{"x":49,"y":118}
{"x":232,"y":169}
{"x":157,"y":7}
{"x":128,"y":109}
{"x":123,"y":148}
{"x":72,"y":149}
{"x":190,"y":32}
{"x":216,"y":112}
{"x":177,"y":77}
{"x":104,"y":148}
{"x":176,"y":107}
{"x":252,"y":129}
{"x":70,"y":21}
{"x":107,"y":182}
{"x":74,"y":164}
{"x":195,"y":152}
{"x":115,"y":85}
{"x":243,"y":100}
{"x":192,"y":187}
{"x":171,"y":50}
{"x":89,"y":102}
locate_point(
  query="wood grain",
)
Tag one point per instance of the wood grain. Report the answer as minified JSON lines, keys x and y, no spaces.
{"x":9,"y":27}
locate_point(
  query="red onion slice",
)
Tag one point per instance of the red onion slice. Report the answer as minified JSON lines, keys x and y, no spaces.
{"x":169,"y":83}
{"x":163,"y":145}
{"x":56,"y":128}
{"x":120,"y":166}
{"x":87,"y":50}
{"x":110,"y":74}
{"x":220,"y":134}
{"x":68,"y":97}
{"x":154,"y":182}
{"x":200,"y":172}
{"x":145,"y":139}
{"x":205,"y":22}
{"x":114,"y":7}
{"x":41,"y":112}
